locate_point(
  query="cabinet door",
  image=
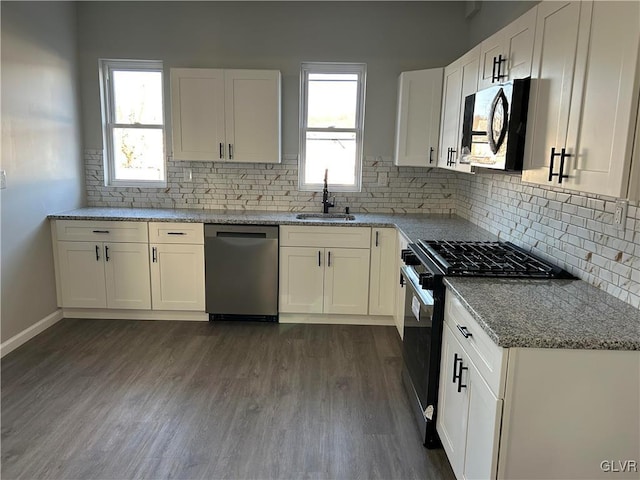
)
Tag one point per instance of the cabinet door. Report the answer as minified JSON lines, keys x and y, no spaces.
{"x":252,"y":108}
{"x":177,"y":277}
{"x":634,"y":182}
{"x":418,"y":118}
{"x":605,"y":101}
{"x":384,"y":271}
{"x":301,"y":279}
{"x":453,"y":406}
{"x":518,"y":39}
{"x":82,"y":274}
{"x":451,"y":91}
{"x":126,"y":267}
{"x":197,"y":112}
{"x":346,"y":281}
{"x":460,"y":80}
{"x":552,"y":73}
{"x":490,"y":50}
{"x":483,"y":428}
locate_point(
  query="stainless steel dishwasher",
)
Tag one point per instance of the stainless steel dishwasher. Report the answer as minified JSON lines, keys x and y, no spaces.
{"x":241,"y":272}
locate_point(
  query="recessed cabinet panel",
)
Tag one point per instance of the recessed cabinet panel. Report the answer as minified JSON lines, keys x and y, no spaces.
{"x":253,"y":115}
{"x":552,"y":81}
{"x":418,"y":118}
{"x":346,"y":281}
{"x":127,"y":276}
{"x":177,"y":277}
{"x":198,"y":113}
{"x":301,"y":280}
{"x":82,"y":274}
{"x":384,"y":274}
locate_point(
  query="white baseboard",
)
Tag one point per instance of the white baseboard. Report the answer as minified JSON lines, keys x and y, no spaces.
{"x":28,"y":333}
{"x":383,"y":320}
{"x":107,"y":314}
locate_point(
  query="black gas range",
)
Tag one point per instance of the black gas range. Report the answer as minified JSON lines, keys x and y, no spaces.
{"x":425,"y":265}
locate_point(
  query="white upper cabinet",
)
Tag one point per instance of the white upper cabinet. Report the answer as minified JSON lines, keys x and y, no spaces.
{"x":252,"y":115}
{"x":197,"y":111}
{"x":460,"y":80}
{"x":506,"y":55}
{"x":418,"y":118}
{"x":226,"y":115}
{"x":584,"y":96}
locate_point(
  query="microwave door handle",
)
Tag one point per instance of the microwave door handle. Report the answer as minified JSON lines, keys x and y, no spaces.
{"x":500,"y":100}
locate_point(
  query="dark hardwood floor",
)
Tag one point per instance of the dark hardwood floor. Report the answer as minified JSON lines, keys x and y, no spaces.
{"x":124,"y":399}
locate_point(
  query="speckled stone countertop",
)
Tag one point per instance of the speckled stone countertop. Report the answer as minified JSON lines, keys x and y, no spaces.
{"x":548,"y":313}
{"x":414,"y":226}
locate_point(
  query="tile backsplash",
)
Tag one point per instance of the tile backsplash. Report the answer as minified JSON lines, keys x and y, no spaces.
{"x":572,"y":230}
{"x":231,"y":186}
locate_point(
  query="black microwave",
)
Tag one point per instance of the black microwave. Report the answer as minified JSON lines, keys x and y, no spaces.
{"x":494,"y":126}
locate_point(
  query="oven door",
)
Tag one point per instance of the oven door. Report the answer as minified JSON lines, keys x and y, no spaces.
{"x":418,"y":332}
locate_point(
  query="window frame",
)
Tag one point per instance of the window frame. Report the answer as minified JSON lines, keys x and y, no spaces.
{"x":306,"y":69}
{"x":107,"y":107}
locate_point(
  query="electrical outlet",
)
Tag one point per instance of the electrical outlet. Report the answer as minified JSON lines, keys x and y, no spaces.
{"x":3,"y":179}
{"x":187,"y":175}
{"x":620,"y":215}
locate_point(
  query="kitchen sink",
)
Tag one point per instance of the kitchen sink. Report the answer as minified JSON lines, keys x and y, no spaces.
{"x":326,"y":216}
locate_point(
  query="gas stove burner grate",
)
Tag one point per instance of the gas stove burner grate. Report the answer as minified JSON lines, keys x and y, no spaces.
{"x":487,"y":259}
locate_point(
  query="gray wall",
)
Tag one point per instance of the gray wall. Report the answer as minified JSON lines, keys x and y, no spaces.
{"x":40,"y":152}
{"x":494,"y":15}
{"x":389,"y":36}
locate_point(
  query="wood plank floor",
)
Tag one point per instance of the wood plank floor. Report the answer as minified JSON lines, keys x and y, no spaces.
{"x":125,"y":399}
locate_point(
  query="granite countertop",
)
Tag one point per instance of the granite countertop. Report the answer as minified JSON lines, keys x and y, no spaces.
{"x":548,"y":313}
{"x":413,"y":226}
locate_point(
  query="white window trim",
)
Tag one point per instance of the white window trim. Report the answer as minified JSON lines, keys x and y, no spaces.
{"x":326,"y":67}
{"x":106,"y":66}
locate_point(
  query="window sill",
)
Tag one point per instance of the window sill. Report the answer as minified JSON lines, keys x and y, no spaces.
{"x":123,"y":184}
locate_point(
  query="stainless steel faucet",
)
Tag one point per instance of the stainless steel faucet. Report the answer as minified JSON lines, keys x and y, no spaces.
{"x":326,"y":204}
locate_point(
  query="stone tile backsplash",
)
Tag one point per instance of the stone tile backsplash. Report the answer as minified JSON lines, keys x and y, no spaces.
{"x":231,"y":186}
{"x":572,"y":230}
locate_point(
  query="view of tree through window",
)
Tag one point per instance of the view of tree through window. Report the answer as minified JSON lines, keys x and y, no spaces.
{"x":135,"y":121}
{"x":332,"y":100}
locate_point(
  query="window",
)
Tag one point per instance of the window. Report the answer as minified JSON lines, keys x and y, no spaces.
{"x":331,"y":125}
{"x":133,"y":122}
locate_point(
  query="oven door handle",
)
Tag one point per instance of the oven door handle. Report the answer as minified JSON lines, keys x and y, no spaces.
{"x":411,"y":280}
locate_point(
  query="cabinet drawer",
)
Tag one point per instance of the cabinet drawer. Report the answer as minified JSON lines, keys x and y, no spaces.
{"x":169,"y":232}
{"x":325,"y":237}
{"x":101,"y":231}
{"x":488,"y":358}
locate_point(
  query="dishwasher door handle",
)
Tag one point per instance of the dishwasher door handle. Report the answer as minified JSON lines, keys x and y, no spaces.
{"x":241,"y":235}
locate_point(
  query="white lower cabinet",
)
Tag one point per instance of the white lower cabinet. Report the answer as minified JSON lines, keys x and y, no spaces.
{"x":324,"y":280}
{"x":177,"y":277}
{"x":301,"y":280}
{"x":104,"y":275}
{"x":384,"y":274}
{"x":324,"y":270}
{"x":543,"y":413}
{"x":176,"y":255}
